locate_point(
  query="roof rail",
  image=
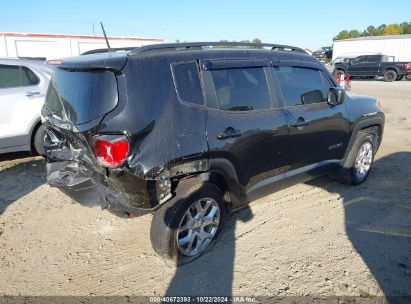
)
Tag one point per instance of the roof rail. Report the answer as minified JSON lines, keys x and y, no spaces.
{"x":105,"y":50}
{"x":201,"y":45}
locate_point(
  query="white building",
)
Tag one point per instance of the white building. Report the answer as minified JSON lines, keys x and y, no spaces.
{"x":52,"y":46}
{"x":391,"y":45}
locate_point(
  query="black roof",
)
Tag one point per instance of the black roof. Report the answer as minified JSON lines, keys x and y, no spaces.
{"x":116,"y":59}
{"x":203,"y":50}
{"x":205,"y":45}
{"x":197,"y":46}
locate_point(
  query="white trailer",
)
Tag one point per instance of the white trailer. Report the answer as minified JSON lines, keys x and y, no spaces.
{"x":52,"y":46}
{"x":398,"y":46}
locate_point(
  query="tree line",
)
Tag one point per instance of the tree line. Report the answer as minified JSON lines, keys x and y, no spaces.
{"x":383,"y":29}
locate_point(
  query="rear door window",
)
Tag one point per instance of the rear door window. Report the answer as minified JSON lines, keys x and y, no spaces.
{"x":360,"y":59}
{"x":12,"y":76}
{"x":373,"y":58}
{"x":301,"y":85}
{"x":187,"y":82}
{"x":81,"y":96}
{"x":28,"y":77}
{"x":241,"y":89}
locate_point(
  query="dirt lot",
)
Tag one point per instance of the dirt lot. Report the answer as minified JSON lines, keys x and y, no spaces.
{"x":319,"y":238}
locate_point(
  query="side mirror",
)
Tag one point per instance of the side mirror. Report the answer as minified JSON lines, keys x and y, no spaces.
{"x":336,"y":96}
{"x":312,"y":97}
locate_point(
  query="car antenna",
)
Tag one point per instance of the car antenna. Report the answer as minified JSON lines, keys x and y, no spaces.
{"x":105,"y":37}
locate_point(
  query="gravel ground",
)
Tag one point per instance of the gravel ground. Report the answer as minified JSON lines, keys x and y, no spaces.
{"x":319,"y":238}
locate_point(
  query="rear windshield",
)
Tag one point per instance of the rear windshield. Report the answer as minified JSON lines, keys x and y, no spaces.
{"x":81,"y":96}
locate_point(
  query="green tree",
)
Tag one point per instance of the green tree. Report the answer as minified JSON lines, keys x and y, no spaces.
{"x":222,"y":46}
{"x":383,"y":29}
{"x":376,"y":32}
{"x":354,"y":34}
{"x":392,"y":29}
{"x":258,"y":41}
{"x":406,"y":27}
{"x":370,"y":29}
{"x":342,"y":35}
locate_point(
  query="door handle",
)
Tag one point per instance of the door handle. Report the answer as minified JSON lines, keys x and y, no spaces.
{"x":32,"y":93}
{"x":229,"y":133}
{"x":301,"y":122}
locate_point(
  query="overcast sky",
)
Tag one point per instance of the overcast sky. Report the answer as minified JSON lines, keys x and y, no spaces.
{"x":310,"y":24}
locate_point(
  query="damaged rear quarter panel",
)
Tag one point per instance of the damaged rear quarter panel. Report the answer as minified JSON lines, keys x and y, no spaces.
{"x":163,"y":131}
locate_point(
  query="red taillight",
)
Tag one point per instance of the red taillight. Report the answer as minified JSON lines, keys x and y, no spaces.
{"x":111,"y":151}
{"x":408,"y":66}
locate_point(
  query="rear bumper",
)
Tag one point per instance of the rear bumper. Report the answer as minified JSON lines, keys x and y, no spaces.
{"x":73,"y":180}
{"x":91,"y":197}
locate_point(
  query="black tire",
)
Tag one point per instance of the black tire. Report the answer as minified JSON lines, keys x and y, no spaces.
{"x":390,"y":75}
{"x":166,"y":220}
{"x":350,"y":175}
{"x":38,"y":141}
{"x":399,"y":78}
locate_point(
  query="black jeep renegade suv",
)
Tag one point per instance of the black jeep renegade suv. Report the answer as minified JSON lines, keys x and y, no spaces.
{"x":191,"y":131}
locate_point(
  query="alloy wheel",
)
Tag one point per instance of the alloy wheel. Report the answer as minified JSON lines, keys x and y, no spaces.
{"x":363,"y":160}
{"x":198,"y":227}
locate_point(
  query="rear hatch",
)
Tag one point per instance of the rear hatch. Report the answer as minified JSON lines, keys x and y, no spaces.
{"x":82,"y":91}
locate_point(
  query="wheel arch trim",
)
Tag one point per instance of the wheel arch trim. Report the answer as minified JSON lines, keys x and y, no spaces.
{"x":390,"y":68}
{"x":34,"y":127}
{"x":376,"y":121}
{"x":225,"y":168}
